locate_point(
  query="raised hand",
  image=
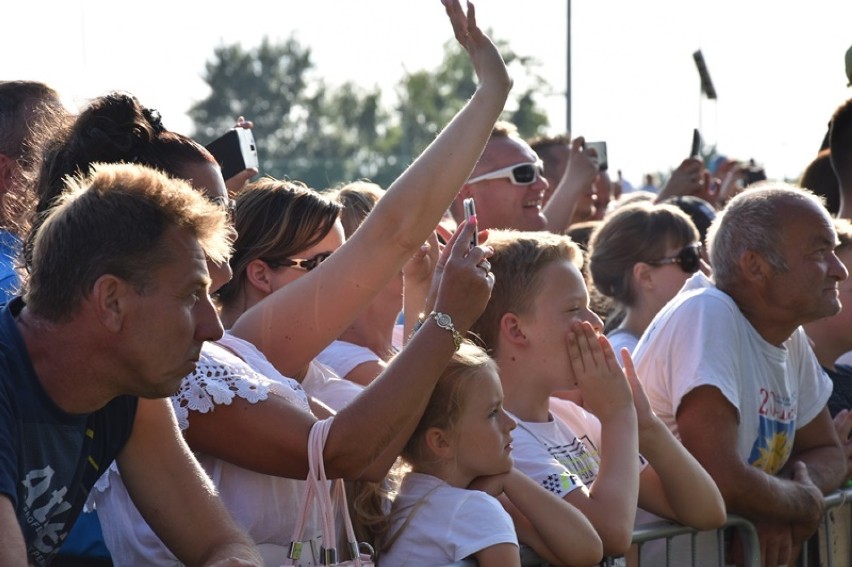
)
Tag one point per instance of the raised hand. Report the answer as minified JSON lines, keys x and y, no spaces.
{"x":486,"y":59}
{"x":691,"y":178}
{"x":467,"y":279}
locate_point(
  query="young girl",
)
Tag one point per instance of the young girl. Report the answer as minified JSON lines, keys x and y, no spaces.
{"x":460,"y":458}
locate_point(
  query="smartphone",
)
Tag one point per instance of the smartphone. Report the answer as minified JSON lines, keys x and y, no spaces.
{"x":235,"y":151}
{"x":469,"y":211}
{"x":600,"y":148}
{"x":696,"y":143}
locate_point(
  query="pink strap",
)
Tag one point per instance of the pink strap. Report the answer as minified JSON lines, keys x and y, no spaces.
{"x":317,"y":488}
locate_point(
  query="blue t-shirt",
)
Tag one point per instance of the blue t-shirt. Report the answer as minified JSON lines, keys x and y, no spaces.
{"x":49,"y":459}
{"x":10,"y":248}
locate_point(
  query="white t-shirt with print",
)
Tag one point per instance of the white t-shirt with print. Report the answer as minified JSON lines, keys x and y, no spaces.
{"x":701,"y":338}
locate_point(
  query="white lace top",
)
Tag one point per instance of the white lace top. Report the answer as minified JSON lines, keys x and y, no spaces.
{"x":265,"y":506}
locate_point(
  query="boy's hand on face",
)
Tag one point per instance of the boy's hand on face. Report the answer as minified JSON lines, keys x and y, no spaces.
{"x":598,"y":376}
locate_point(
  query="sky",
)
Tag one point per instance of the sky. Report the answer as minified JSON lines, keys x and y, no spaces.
{"x":777,"y":65}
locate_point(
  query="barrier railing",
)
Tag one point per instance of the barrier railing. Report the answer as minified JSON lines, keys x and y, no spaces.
{"x":831,"y":547}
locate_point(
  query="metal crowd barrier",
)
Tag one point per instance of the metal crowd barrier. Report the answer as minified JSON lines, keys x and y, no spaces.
{"x":830,"y":547}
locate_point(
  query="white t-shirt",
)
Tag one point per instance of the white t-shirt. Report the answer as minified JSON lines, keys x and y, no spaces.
{"x":264,"y":506}
{"x":551,"y":454}
{"x":619,"y":338}
{"x":450,"y":524}
{"x":702,"y":338}
{"x":324,"y":384}
{"x":343,"y":357}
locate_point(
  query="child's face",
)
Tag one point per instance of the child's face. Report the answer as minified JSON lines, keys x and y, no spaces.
{"x":482,"y":433}
{"x":562,"y":300}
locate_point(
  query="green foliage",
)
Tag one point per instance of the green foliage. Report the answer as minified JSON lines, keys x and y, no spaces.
{"x":326,"y":136}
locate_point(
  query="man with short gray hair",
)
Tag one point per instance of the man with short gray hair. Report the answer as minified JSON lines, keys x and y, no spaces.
{"x":728,"y":367}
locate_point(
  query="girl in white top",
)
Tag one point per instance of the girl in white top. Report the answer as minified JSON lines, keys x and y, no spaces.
{"x":641,"y":256}
{"x":460,"y":457}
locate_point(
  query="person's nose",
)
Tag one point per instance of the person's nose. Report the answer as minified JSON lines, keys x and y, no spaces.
{"x":508,"y":423}
{"x":208,"y":327}
{"x":837,"y":269}
{"x":594,"y":320}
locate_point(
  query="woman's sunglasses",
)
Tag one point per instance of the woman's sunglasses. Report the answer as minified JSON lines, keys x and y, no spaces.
{"x":519,"y":174}
{"x":306,"y":264}
{"x":689,"y":259}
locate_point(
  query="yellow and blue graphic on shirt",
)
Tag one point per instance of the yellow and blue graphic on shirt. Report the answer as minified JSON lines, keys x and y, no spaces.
{"x":776,"y":431}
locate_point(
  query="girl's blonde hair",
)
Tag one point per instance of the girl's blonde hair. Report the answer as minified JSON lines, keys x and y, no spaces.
{"x":370,"y":502}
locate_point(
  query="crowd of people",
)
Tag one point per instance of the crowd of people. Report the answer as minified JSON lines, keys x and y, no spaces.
{"x":534,"y":380}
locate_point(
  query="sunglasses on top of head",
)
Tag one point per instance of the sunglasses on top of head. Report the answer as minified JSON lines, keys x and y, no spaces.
{"x":688,"y":258}
{"x":306,"y":264}
{"x":518,"y":174}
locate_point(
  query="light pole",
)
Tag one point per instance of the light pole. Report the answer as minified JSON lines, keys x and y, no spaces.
{"x":568,"y":73}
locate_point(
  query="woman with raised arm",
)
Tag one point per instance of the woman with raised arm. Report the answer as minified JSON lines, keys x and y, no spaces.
{"x":249,"y":424}
{"x":398,"y":226}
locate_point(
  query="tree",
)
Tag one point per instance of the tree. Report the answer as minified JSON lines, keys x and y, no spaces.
{"x":324,"y":136}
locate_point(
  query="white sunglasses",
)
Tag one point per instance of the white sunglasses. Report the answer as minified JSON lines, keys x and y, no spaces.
{"x":519,"y":174}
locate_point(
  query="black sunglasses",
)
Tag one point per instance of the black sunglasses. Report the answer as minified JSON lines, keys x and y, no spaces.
{"x":689,"y":259}
{"x":306,"y":264}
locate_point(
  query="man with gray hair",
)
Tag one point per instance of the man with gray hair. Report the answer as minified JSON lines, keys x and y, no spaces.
{"x":114,"y":316}
{"x":726,"y":364}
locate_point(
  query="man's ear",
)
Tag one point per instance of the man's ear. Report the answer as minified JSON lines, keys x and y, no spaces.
{"x":109,"y":297}
{"x":511,"y":330}
{"x":257,"y":274}
{"x":754,"y":267}
{"x":439,"y":443}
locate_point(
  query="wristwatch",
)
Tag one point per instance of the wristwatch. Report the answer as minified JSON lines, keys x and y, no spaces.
{"x":446,"y":322}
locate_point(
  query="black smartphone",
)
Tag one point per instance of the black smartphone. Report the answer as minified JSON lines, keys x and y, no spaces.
{"x":696,"y":144}
{"x":469,"y":211}
{"x":600,"y":149}
{"x":235,"y":151}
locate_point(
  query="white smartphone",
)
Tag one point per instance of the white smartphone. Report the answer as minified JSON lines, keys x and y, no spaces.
{"x":469,"y":211}
{"x":600,"y":149}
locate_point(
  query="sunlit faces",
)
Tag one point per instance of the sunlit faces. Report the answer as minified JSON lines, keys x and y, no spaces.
{"x":499,"y":202}
{"x":482,"y":434}
{"x":808,"y":289}
{"x":165,"y":325}
{"x":283,"y":275}
{"x":560,"y":301}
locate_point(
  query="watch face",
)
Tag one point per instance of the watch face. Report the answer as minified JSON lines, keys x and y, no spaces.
{"x":443,"y":320}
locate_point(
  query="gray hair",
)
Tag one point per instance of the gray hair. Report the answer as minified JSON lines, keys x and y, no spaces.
{"x":750,"y":222}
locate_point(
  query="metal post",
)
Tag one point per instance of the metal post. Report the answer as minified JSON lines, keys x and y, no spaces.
{"x":568,"y":73}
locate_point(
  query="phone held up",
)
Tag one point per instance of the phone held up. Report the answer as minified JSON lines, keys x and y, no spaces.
{"x":235,"y":151}
{"x":695,"y":151}
{"x":600,"y":150}
{"x":470,"y":211}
